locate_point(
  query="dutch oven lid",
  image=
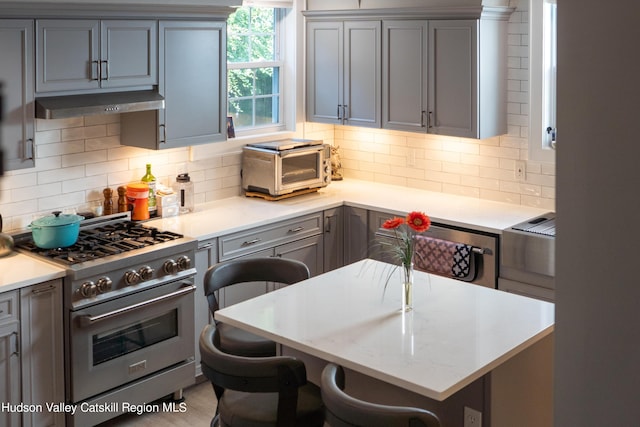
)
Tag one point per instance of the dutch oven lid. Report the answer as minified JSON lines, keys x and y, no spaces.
{"x":57,"y":219}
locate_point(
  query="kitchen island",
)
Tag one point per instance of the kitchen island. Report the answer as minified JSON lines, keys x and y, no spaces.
{"x":461,"y":345}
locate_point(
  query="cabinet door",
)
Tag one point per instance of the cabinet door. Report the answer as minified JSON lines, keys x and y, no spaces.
{"x":235,"y":294}
{"x":68,"y":55}
{"x":129,"y":53}
{"x":404,"y":76}
{"x":42,"y":351}
{"x":324,"y":72}
{"x":10,"y":385}
{"x":380,"y":238}
{"x":193,"y":80}
{"x":16,"y":71}
{"x":206,"y":256}
{"x":453,"y":72}
{"x":362,"y":74}
{"x":355,"y":234}
{"x":309,"y":251}
{"x":333,"y":238}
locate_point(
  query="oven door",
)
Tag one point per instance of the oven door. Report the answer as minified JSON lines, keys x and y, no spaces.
{"x":122,"y":340}
{"x":300,"y":168}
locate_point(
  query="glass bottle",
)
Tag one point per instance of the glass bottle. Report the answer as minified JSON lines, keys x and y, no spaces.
{"x":151,"y":182}
{"x":184,"y":187}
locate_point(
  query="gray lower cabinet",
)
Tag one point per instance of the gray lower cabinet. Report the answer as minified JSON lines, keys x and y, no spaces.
{"x":31,"y":353}
{"x":89,"y":54}
{"x":356,"y":234}
{"x":42,"y":352}
{"x":10,"y":388}
{"x":344,"y":72}
{"x":333,"y":239}
{"x":206,"y":256}
{"x":193,"y":81}
{"x":16,"y":77}
{"x":298,"y":238}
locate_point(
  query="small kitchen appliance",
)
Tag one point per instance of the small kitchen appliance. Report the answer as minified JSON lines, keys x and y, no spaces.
{"x":128,"y":308}
{"x":283,"y":167}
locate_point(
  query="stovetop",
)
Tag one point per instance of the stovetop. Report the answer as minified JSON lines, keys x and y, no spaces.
{"x":102,"y":241}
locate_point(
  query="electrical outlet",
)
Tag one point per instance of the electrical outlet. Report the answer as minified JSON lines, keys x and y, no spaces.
{"x":521,"y":170}
{"x":472,"y":418}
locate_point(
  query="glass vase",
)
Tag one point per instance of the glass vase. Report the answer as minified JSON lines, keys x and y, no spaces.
{"x":407,"y":286}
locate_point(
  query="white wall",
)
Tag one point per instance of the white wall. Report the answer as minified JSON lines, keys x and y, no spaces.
{"x":597,"y":284}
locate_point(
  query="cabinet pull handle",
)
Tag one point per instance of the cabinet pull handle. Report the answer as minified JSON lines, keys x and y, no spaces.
{"x":106,"y":74}
{"x":86,"y":320}
{"x":205,"y":246}
{"x":43,"y":290}
{"x":422,"y":114}
{"x":163,"y":134}
{"x":430,"y":120}
{"x":97,"y":71}
{"x":327,"y":225}
{"x":16,"y":352}
{"x":345,"y":112}
{"x":296,"y":230}
{"x":338,"y":112}
{"x":29,"y":149}
{"x":250,"y":242}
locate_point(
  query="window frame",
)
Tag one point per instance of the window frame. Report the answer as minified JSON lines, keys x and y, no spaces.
{"x":280,"y":61}
{"x":541,"y":86}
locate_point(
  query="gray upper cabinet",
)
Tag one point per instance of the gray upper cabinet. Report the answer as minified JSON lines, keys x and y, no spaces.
{"x":404,"y":92}
{"x":16,"y":75}
{"x":193,"y":81}
{"x":467,"y":78}
{"x":77,"y":54}
{"x":436,"y":75}
{"x":344,"y":72}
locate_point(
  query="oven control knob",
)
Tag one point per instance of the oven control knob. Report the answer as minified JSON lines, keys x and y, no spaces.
{"x":104,"y":284}
{"x":131,"y":277}
{"x":146,"y":273}
{"x":88,"y":290}
{"x":184,"y":263}
{"x":170,"y":266}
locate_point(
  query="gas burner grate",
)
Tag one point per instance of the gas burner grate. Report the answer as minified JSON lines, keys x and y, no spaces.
{"x":102,"y":241}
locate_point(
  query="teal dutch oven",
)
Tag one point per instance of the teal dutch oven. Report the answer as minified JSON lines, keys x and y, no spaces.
{"x":56,"y":231}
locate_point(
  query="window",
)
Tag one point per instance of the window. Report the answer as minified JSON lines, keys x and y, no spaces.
{"x":543,"y":63}
{"x":255,"y":69}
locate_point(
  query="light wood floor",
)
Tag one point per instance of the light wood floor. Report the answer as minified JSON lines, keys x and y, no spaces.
{"x":200,"y":408}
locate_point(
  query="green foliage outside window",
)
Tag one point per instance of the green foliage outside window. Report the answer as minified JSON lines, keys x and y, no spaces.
{"x":253,"y":80}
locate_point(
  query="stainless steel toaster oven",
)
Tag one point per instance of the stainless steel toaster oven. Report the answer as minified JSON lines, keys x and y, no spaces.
{"x":282,"y":167}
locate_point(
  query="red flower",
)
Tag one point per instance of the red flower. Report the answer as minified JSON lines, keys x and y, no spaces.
{"x":419,"y":221}
{"x":392,"y":223}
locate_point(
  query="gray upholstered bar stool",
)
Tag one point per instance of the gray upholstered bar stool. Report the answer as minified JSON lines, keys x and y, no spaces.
{"x":243,"y":271}
{"x":342,"y":410}
{"x":259,"y":391}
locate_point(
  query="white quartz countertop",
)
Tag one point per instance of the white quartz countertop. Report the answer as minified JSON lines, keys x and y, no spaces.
{"x":18,"y":270}
{"x":240,"y":213}
{"x":456,"y":333}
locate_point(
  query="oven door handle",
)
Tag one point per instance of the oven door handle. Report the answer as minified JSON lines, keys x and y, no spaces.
{"x":87,"y":320}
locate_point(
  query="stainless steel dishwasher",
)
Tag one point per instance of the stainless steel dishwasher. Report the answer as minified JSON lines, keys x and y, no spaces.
{"x":485,"y":245}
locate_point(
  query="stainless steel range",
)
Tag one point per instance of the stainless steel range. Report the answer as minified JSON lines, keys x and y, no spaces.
{"x":128,"y":313}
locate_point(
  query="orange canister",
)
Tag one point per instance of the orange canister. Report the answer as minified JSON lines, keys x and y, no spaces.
{"x":138,"y":199}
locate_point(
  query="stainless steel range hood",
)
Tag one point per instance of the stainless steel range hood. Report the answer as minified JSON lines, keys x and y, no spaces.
{"x":61,"y":107}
